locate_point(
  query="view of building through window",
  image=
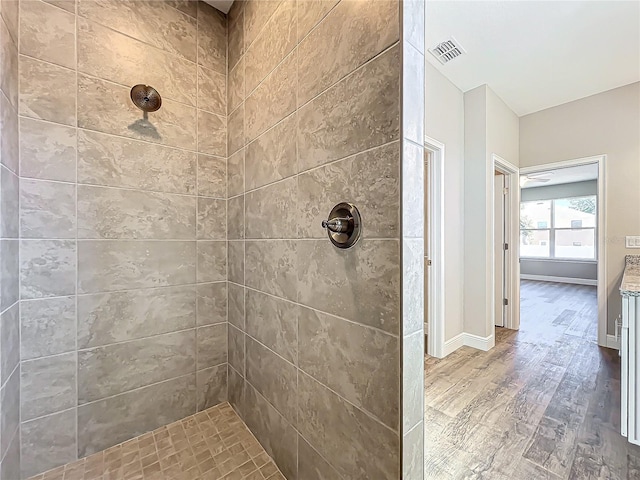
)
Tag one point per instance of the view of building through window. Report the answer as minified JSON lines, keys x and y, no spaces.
{"x":563,"y":228}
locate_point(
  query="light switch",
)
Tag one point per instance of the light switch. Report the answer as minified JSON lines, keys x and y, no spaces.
{"x":632,"y":241}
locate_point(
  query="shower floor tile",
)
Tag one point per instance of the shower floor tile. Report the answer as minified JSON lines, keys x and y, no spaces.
{"x":211,"y":445}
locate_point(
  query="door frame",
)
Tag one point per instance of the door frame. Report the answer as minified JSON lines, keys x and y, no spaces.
{"x":601,"y":221}
{"x":434,"y":248}
{"x":512,"y":238}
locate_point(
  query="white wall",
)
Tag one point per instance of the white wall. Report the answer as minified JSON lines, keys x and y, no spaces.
{"x":445,"y":123}
{"x":606,"y":123}
{"x":490,"y":128}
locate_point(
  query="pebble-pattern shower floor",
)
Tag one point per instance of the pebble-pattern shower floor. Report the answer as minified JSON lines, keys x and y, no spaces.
{"x":211,"y":445}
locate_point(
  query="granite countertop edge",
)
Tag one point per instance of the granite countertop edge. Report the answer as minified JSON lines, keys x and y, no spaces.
{"x":630,"y":285}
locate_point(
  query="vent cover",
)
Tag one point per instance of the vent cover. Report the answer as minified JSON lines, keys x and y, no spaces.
{"x":447,"y":50}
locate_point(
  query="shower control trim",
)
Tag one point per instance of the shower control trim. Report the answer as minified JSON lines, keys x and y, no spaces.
{"x":344,"y":225}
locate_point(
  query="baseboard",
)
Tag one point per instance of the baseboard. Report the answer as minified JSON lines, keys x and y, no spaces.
{"x":613,"y":342}
{"x":549,"y":278}
{"x":469,"y":340}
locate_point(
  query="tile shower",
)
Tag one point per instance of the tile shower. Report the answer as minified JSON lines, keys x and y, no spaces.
{"x":154,"y":267}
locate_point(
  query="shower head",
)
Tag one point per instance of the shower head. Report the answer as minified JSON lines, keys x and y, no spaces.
{"x":146,"y":98}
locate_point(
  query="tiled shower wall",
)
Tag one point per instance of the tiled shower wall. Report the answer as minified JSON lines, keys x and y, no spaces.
{"x":122,"y":222}
{"x":9,"y":245}
{"x":314,"y":120}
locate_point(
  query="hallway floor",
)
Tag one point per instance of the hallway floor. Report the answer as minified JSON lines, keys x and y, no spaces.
{"x":211,"y":445}
{"x":543,"y":404}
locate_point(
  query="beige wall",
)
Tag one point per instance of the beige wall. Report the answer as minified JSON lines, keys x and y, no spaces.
{"x":606,"y":123}
{"x":490,"y":128}
{"x":314,"y":331}
{"x":445,"y":123}
{"x":122,"y":222}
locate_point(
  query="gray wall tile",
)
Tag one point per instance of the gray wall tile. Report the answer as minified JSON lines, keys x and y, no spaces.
{"x":273,"y":322}
{"x":212,"y":261}
{"x":236,"y":261}
{"x":273,"y":377}
{"x":211,"y":386}
{"x":270,"y":212}
{"x":412,"y":190}
{"x":101,"y":372}
{"x":48,"y":442}
{"x":47,"y":327}
{"x":356,"y":445}
{"x":109,"y":55}
{"x":236,"y":84}
{"x":211,"y":303}
{"x":412,"y":380}
{"x":212,"y":219}
{"x":256,"y":15}
{"x":369,"y":180}
{"x":310,"y":13}
{"x":131,"y":214}
{"x":113,"y":420}
{"x":68,"y":5}
{"x":9,"y":204}
{"x":212,"y":91}
{"x":174,"y":124}
{"x":121,"y":162}
{"x":211,"y":345}
{"x":47,"y":385}
{"x":235,"y":172}
{"x":9,"y":144}
{"x":10,"y":14}
{"x":10,"y":466}
{"x":413,"y":20}
{"x":275,"y":434}
{"x":212,"y":134}
{"x":235,"y":387}
{"x":9,"y":273}
{"x":236,"y":349}
{"x":311,"y":466}
{"x":236,"y":125}
{"x":360,"y":112}
{"x":47,"y":268}
{"x":47,"y":150}
{"x":272,"y":156}
{"x":361,"y":284}
{"x":413,"y":285}
{"x":371,"y":24}
{"x":273,"y":43}
{"x":235,"y":48}
{"x":9,"y":341}
{"x":9,"y":64}
{"x":212,"y":176}
{"x":48,"y":33}
{"x":413,"y":92}
{"x":273,"y":100}
{"x":47,"y":209}
{"x":236,"y":218}
{"x":47,"y":92}
{"x":212,"y":34}
{"x":413,"y":454}
{"x":162,"y":27}
{"x":271,"y":266}
{"x":359,"y":363}
{"x":10,"y":413}
{"x":106,"y":265}
{"x":236,"y":305}
{"x":107,"y":318}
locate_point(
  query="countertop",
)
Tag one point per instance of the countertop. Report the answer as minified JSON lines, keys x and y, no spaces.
{"x":631,"y":279}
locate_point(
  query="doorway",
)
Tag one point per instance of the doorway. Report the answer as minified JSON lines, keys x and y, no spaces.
{"x":562,"y":254}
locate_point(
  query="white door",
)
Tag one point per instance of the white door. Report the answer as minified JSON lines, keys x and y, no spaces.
{"x":499,"y":245}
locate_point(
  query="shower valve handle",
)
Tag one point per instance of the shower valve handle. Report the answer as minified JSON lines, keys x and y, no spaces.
{"x":337,"y":225}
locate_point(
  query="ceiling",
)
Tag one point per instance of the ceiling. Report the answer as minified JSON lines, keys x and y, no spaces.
{"x":563,"y":175}
{"x":222,"y":5}
{"x":538,"y":54}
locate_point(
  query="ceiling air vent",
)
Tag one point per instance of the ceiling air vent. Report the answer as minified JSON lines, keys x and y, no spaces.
{"x":447,"y":50}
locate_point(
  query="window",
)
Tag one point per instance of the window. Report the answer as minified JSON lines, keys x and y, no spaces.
{"x":563,"y":228}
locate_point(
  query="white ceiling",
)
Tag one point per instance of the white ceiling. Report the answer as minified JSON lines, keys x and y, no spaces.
{"x":564,"y":175}
{"x":222,"y":5}
{"x":538,"y":54}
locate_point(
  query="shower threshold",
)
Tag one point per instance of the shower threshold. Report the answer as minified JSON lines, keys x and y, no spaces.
{"x":214,"y":444}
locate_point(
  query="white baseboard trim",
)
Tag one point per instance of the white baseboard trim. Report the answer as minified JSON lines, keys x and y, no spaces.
{"x":613,"y":342}
{"x":469,"y":340}
{"x":548,"y":278}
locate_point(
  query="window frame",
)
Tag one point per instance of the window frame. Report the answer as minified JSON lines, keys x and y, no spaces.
{"x":552,"y":232}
